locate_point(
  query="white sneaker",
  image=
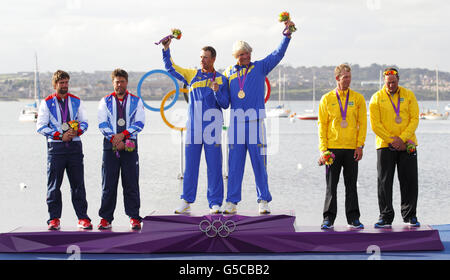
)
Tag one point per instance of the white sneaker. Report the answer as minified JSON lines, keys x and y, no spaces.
{"x":215,"y":209}
{"x":185,"y":208}
{"x":264,"y":207}
{"x":230,"y":208}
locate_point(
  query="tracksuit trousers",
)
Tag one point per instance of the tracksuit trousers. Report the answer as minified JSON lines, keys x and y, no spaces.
{"x":408,"y":179}
{"x":344,"y":160}
{"x":127,"y":168}
{"x":69,"y":158}
{"x":247,"y":136}
{"x":213,"y":156}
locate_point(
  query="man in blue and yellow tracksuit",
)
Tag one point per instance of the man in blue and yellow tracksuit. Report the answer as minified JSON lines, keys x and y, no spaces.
{"x":247,"y":130}
{"x":64,"y":149}
{"x":208,"y":93}
{"x":121,"y":117}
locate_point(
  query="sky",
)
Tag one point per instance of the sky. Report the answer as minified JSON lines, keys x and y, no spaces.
{"x":90,"y":35}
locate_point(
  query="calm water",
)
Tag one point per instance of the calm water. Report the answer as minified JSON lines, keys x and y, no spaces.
{"x":295,"y":180}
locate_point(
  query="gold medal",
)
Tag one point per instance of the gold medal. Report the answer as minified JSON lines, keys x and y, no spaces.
{"x":241,"y":94}
{"x":398,"y":119}
{"x":344,"y":124}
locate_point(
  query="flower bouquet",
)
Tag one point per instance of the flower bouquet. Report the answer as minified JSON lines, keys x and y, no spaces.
{"x":74,"y":125}
{"x":328,"y":158}
{"x":176,"y":33}
{"x":410,"y":147}
{"x":283,"y":17}
{"x":129,"y":145}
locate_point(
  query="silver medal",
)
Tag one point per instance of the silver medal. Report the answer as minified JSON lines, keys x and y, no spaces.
{"x":121,"y":122}
{"x":65,"y":126}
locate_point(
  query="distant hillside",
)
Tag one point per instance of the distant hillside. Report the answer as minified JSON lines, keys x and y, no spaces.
{"x":298,"y":85}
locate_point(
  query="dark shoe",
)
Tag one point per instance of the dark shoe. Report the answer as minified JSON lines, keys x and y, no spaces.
{"x":383,"y":224}
{"x":326,"y":225}
{"x":356,"y":224}
{"x":413,"y":222}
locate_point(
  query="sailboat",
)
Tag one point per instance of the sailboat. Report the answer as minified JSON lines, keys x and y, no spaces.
{"x":310,"y":114}
{"x":29,"y":113}
{"x":434,"y":114}
{"x":280,"y":111}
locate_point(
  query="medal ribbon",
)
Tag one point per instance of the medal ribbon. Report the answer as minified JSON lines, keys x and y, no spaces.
{"x":343,"y":111}
{"x":212,"y":79}
{"x":121,"y":107}
{"x":65,"y":110}
{"x":241,"y":82}
{"x":397,"y":110}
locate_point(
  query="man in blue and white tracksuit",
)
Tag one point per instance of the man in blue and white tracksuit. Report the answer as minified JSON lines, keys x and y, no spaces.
{"x":64,"y":149}
{"x":247,"y":129}
{"x":121,"y":116}
{"x":208,"y":94}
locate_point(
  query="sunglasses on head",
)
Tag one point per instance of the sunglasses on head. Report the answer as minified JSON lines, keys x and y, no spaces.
{"x":390,"y":72}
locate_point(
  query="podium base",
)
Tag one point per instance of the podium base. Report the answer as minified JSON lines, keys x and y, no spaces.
{"x":221,"y":234}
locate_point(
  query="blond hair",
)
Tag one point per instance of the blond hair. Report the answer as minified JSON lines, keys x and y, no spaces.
{"x":343,"y":67}
{"x":240,"y":46}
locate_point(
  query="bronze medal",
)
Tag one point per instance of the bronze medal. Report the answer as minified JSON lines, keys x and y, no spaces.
{"x":398,"y":119}
{"x":344,"y":123}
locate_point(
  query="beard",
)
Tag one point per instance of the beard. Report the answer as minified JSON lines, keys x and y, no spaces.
{"x":120,"y":90}
{"x":63,"y":90}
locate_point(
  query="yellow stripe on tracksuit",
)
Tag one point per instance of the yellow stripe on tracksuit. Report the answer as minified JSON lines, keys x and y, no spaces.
{"x":188,"y":74}
{"x":234,"y":76}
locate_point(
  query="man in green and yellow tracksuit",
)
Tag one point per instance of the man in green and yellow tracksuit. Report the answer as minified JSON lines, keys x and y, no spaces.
{"x":394,"y":117}
{"x":342,"y":131}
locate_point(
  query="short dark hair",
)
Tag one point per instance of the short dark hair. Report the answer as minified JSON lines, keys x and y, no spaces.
{"x":119,"y":73}
{"x":59,"y":75}
{"x":211,"y":50}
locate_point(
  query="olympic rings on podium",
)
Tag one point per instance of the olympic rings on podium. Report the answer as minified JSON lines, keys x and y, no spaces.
{"x":161,"y":109}
{"x":268,"y":91}
{"x":177,"y":89}
{"x":217,"y":227}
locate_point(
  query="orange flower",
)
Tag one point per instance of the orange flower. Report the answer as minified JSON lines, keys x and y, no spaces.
{"x":284,"y":16}
{"x":176,"y":33}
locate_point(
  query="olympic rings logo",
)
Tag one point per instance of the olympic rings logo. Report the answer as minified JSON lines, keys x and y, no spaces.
{"x":176,"y":91}
{"x":146,"y":75}
{"x":217,"y":227}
